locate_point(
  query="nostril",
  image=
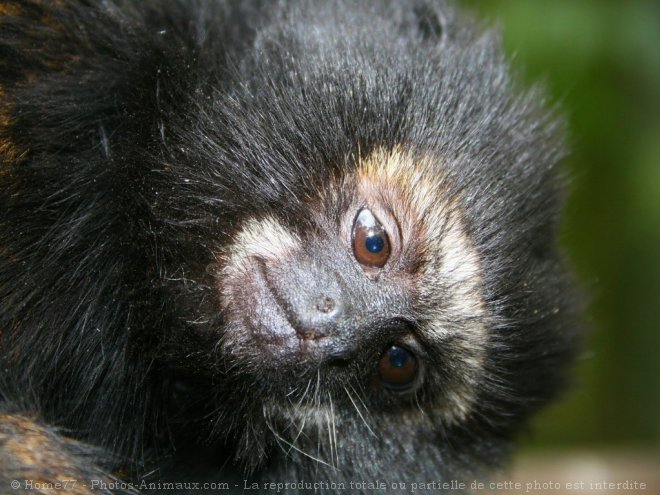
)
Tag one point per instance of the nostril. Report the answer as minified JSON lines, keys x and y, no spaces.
{"x":324,"y":310}
{"x":327,"y":305}
{"x":318,"y":318}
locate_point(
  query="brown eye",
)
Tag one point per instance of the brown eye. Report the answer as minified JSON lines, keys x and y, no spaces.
{"x":397,"y":368}
{"x":370,"y":242}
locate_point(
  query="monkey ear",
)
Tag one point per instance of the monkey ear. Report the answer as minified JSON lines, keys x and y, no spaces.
{"x":428,"y":21}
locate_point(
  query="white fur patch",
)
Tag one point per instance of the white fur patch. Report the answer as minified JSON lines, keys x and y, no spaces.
{"x":448,"y":287}
{"x":266,"y":238}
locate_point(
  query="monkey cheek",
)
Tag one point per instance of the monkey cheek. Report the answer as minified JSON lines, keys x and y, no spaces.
{"x":255,"y":327}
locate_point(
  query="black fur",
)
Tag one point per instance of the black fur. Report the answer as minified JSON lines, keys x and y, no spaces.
{"x":139,"y":134}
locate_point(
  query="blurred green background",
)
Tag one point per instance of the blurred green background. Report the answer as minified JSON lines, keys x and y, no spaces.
{"x":601,"y":63}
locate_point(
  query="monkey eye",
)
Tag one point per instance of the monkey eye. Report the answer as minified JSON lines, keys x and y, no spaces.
{"x":370,"y":242}
{"x":397,"y":368}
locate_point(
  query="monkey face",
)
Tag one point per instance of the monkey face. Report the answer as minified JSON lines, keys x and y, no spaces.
{"x":377,"y":290}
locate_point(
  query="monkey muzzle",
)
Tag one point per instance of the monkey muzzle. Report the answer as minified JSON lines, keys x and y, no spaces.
{"x":321,"y":311}
{"x":333,"y":311}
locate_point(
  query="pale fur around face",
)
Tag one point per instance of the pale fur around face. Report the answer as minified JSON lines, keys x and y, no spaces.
{"x":448,"y":285}
{"x":425,"y":222}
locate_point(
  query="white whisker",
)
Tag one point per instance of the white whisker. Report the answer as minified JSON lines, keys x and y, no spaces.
{"x":357,"y":409}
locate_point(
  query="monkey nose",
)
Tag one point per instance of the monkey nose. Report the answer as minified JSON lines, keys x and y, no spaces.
{"x":317,"y":319}
{"x":312,"y":298}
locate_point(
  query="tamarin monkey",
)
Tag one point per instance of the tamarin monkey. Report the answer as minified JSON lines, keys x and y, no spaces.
{"x":246,"y":242}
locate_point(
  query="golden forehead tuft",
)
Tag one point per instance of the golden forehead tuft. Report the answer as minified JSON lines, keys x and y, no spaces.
{"x":412,"y":183}
{"x":448,"y":284}
{"x":392,"y":166}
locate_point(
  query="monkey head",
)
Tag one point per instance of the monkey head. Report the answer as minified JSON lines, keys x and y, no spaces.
{"x":319,"y":236}
{"x":375,"y":286}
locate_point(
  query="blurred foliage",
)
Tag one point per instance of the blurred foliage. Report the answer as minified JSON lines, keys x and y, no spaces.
{"x":600,"y":61}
